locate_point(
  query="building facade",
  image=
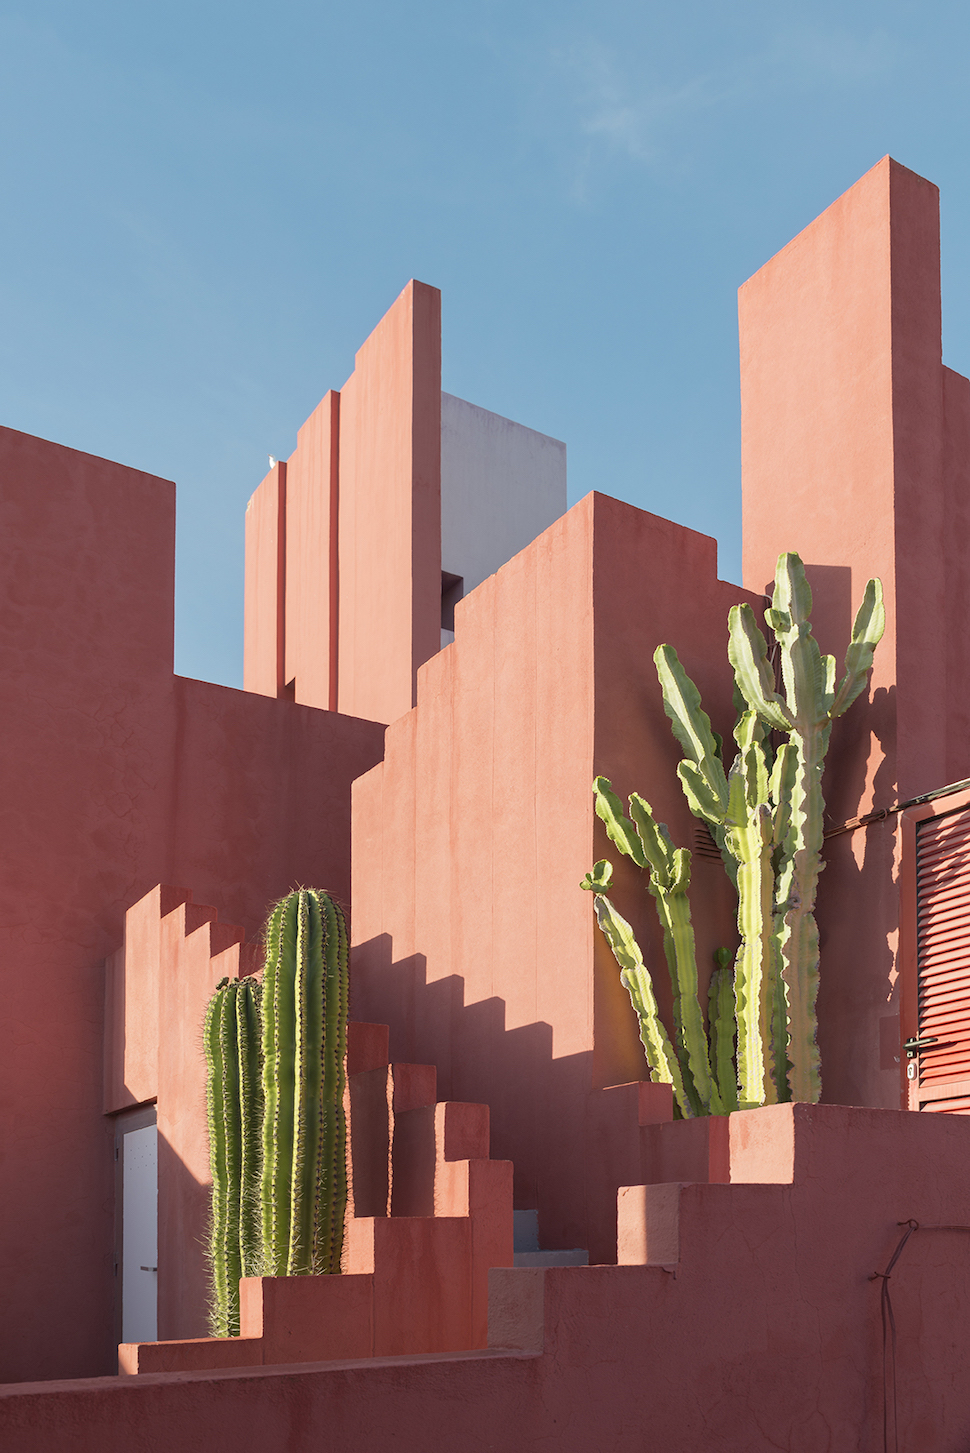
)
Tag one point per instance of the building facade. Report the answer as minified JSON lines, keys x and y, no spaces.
{"x":439,"y":659}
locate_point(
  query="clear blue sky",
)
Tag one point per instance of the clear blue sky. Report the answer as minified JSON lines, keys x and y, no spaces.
{"x":207,"y":207}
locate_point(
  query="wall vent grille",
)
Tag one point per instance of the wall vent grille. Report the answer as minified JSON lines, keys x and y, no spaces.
{"x":943,"y":952}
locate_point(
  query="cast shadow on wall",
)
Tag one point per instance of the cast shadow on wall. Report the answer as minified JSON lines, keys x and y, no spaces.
{"x":858,"y":914}
{"x":544,"y":1110}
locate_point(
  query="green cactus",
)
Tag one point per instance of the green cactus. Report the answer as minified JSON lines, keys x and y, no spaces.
{"x":663,"y":1062}
{"x":766,"y":817}
{"x":233,"y":1094}
{"x":275,"y":1056}
{"x":304,"y":1174}
{"x":750,"y":840}
{"x":805,"y":713}
{"x":721,"y":1017}
{"x":648,"y":843}
{"x":736,"y":808}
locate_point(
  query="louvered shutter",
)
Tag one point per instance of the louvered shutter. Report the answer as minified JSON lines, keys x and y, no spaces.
{"x":943,"y":960}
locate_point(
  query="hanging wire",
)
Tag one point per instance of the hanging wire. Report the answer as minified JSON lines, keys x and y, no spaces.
{"x":889,"y":1393}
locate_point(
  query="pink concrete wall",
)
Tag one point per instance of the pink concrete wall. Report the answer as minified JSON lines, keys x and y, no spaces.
{"x":855,"y":450}
{"x":264,"y":627}
{"x":390,"y":509}
{"x":312,"y":591}
{"x":417,"y":1169}
{"x":117,"y":776}
{"x":745,"y":1317}
{"x":471,"y":936}
{"x":355,"y":609}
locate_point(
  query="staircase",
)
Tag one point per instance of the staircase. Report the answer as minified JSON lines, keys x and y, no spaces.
{"x":429,"y":1212}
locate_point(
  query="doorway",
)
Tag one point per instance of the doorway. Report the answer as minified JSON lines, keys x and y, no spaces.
{"x":136,"y":1225}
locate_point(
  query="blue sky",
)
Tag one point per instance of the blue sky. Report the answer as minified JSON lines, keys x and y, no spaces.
{"x":208,"y":206}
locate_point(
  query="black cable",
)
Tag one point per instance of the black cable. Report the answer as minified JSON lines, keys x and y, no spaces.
{"x":889,"y":1395}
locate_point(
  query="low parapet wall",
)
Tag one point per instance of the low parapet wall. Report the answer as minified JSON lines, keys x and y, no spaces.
{"x":747,"y":1317}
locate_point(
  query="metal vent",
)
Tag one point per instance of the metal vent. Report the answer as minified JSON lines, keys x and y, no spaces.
{"x":943,"y":950}
{"x":704,"y":845}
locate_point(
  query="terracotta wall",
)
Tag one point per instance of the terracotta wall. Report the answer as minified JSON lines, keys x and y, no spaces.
{"x":390,"y":509}
{"x":746,"y":1317}
{"x":264,"y":618}
{"x":117,"y":775}
{"x":472,"y":937}
{"x":354,"y":520}
{"x":312,"y":589}
{"x":855,"y":452}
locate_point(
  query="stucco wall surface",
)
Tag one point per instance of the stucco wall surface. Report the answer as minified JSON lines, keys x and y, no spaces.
{"x":471,"y":936}
{"x":750,"y":1322}
{"x":855,"y":453}
{"x":116,"y":776}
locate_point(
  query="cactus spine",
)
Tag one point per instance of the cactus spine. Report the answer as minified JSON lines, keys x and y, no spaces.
{"x":232,"y":1051}
{"x":766,"y":818}
{"x":304,"y":1178}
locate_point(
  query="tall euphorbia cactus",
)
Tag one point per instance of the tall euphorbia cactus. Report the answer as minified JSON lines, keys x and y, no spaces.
{"x":740,"y":809}
{"x":234,"y":1100}
{"x":767,"y":821}
{"x":805,"y":713}
{"x":304,"y":1180}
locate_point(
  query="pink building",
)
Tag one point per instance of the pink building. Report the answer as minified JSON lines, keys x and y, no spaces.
{"x":439,"y":659}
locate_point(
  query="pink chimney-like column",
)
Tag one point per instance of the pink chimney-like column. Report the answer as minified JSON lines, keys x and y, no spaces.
{"x":343,"y":541}
{"x":856,"y":453}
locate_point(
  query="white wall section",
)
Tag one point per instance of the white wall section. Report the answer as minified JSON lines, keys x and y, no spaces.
{"x":501,"y":485}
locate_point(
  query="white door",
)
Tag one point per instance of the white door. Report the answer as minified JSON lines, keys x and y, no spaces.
{"x":139,"y":1233}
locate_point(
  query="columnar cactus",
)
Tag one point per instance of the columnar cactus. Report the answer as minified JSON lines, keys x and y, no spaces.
{"x":303,"y":1191}
{"x":685,"y":1064}
{"x":766,"y":818}
{"x":721,"y":1017}
{"x":275,"y":1055}
{"x":663,"y":1061}
{"x":805,"y":713}
{"x":738,"y":810}
{"x":234,"y":1100}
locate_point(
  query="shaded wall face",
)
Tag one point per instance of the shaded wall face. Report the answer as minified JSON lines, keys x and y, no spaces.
{"x":86,"y":571}
{"x":472,"y":938}
{"x":501,"y":486}
{"x":116,"y":776}
{"x":343,"y":542}
{"x":854,"y":453}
